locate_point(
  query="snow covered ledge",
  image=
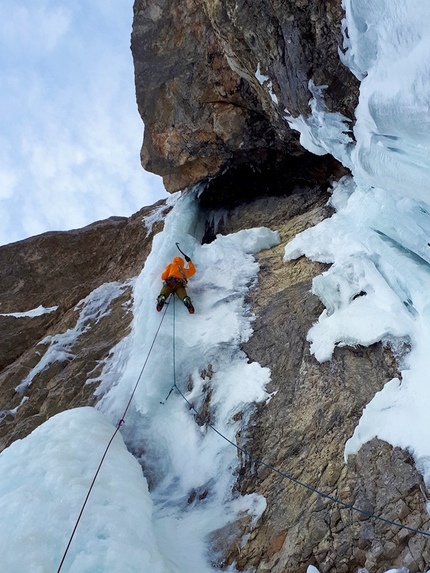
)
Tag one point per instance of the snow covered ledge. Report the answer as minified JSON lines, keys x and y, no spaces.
{"x":32,"y":313}
{"x":45,"y":477}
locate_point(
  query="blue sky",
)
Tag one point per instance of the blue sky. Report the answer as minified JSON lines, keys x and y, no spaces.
{"x":70,"y":133}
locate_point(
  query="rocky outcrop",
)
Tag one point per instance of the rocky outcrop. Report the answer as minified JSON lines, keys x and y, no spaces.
{"x":205,"y":108}
{"x":60,"y":270}
{"x":302,"y":430}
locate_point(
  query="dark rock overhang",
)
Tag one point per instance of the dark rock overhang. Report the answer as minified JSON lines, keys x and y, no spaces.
{"x":276,"y":176}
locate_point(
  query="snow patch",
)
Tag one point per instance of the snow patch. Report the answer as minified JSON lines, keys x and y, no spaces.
{"x":266,"y":82}
{"x":92,"y":309}
{"x":13,"y":411}
{"x":32,"y":313}
{"x":45,"y":478}
{"x":260,"y":77}
{"x":323,"y":132}
{"x":158,"y":214}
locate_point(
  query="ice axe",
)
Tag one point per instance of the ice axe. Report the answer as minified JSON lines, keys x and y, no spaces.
{"x":187,"y":258}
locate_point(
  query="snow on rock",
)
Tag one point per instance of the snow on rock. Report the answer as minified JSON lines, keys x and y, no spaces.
{"x":376,"y":290}
{"x":92,"y":309}
{"x":323,"y":132}
{"x":31,"y":313}
{"x":265,"y":81}
{"x":158,"y":214}
{"x":376,"y":255}
{"x":388,"y":43}
{"x":378,"y":239}
{"x":44,"y":480}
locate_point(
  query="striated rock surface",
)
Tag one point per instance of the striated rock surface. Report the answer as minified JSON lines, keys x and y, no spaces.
{"x":302,"y":430}
{"x":204,"y":108}
{"x":64,"y":270}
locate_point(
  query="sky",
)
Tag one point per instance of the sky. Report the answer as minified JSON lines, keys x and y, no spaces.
{"x":70,"y":132}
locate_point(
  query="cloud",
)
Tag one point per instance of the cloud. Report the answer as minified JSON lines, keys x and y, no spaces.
{"x":34,"y":30}
{"x":8,"y":178}
{"x":8,"y":183}
{"x":70,"y":131}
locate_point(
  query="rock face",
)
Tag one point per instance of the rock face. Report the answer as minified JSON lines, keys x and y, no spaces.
{"x":301,"y":431}
{"x":205,"y":110}
{"x":209,"y":119}
{"x":60,"y":270}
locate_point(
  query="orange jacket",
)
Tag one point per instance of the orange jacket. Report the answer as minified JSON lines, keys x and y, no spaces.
{"x":174,"y":269}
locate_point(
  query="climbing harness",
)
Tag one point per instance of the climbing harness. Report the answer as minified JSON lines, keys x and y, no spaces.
{"x":176,"y":282}
{"x":120,"y":423}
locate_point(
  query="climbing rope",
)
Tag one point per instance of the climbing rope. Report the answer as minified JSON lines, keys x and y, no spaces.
{"x":273,"y":469}
{"x":173,"y":353}
{"x":286,"y":476}
{"x":120,"y":423}
{"x":208,"y":424}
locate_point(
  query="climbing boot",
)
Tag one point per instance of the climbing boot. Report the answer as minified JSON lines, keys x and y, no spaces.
{"x":160,"y":302}
{"x":188,"y":304}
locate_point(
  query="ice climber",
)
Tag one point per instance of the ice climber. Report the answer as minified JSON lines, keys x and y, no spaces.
{"x":175,"y":277}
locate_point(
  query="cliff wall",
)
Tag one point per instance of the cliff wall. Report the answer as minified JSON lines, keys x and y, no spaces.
{"x":211,"y":119}
{"x":301,"y":431}
{"x":215,"y":81}
{"x":58,"y":271}
{"x":215,"y":84}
